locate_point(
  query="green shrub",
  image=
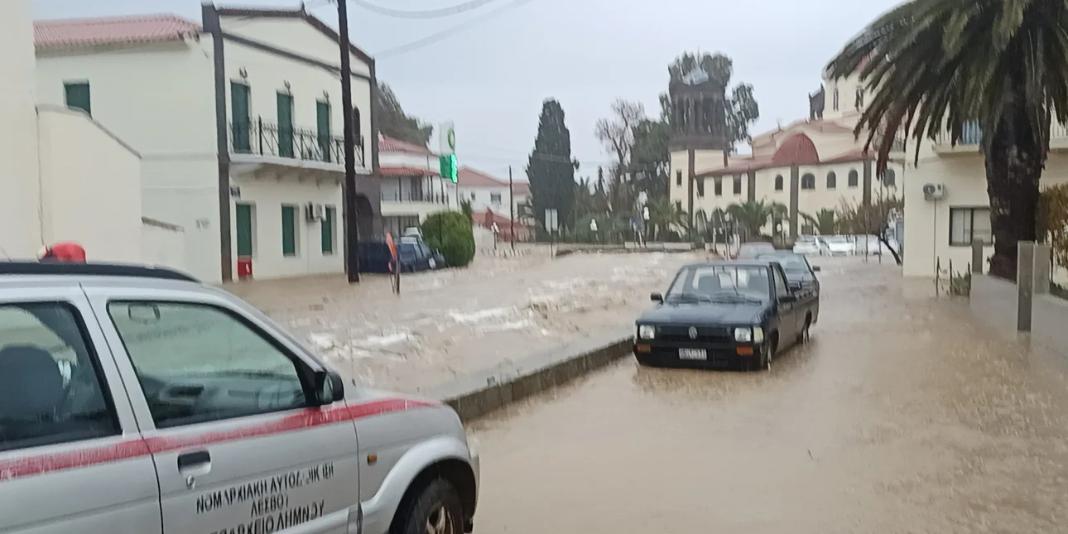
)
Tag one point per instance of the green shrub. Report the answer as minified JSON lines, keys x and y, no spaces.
{"x":450,"y":232}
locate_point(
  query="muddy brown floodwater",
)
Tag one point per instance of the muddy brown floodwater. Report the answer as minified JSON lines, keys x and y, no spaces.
{"x":902,"y":415}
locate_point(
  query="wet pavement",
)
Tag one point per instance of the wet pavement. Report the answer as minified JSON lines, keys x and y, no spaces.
{"x":448,"y":324}
{"x":902,"y":415}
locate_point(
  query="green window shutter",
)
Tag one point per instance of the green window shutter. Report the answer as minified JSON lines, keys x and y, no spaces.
{"x":244,"y":230}
{"x":322,"y":121}
{"x":289,"y":231}
{"x":242,"y":119}
{"x":77,"y":95}
{"x":285,"y":125}
{"x":328,"y":230}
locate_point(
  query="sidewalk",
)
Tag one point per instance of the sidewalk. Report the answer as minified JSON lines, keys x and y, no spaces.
{"x":450,"y":324}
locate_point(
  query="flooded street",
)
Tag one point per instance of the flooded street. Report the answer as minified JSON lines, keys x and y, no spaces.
{"x":902,"y":415}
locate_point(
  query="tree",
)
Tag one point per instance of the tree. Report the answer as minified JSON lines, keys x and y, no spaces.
{"x":935,"y":65}
{"x":650,"y":158}
{"x":617,"y":132}
{"x":753,"y":215}
{"x":450,"y":232}
{"x":550,"y":169}
{"x":665,"y":215}
{"x":870,"y":219}
{"x":740,"y":107}
{"x":824,"y":221}
{"x":392,"y":121}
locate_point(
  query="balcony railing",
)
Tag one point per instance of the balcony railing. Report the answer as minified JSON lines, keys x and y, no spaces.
{"x":262,"y":138}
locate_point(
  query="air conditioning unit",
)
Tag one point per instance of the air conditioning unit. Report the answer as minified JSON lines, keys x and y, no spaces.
{"x":933,"y":192}
{"x":313,"y":212}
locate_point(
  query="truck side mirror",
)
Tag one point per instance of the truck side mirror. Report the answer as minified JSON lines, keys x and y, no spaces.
{"x":329,"y":388}
{"x":656,"y":297}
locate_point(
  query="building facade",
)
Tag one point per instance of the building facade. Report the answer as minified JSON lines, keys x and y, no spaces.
{"x":808,"y":166}
{"x":411,"y":185}
{"x":494,"y":201}
{"x":238,"y":123}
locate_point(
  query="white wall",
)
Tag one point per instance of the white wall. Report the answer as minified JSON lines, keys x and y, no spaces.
{"x":160,"y":99}
{"x":163,"y":244}
{"x":294,"y":35}
{"x":267,"y":195}
{"x":481,"y":198}
{"x":20,"y":231}
{"x":90,"y":185}
{"x":927,"y":223}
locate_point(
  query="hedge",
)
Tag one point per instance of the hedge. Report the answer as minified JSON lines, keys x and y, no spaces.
{"x":450,"y":232}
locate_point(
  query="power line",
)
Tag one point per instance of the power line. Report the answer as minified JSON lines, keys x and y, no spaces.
{"x":422,"y":14}
{"x":435,"y":37}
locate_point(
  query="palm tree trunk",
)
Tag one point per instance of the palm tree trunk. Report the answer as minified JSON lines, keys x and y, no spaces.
{"x":1015,"y":159}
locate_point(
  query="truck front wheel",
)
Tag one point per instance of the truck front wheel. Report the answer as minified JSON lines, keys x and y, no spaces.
{"x":436,"y":510}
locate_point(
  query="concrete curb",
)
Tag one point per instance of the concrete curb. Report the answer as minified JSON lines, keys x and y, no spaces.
{"x":484,"y":392}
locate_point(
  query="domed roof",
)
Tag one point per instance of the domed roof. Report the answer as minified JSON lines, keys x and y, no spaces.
{"x":797,"y":149}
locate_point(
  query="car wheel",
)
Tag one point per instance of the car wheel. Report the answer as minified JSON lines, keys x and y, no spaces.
{"x":767,"y":356}
{"x":436,"y":510}
{"x":806,"y":332}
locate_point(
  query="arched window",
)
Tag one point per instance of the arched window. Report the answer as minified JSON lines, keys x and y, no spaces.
{"x":778,"y":183}
{"x":889,"y":178}
{"x":357,"y":130}
{"x":854,"y":178}
{"x":808,"y":181}
{"x":832,"y":180}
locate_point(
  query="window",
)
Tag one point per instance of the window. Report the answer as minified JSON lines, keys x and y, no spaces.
{"x":51,"y":390}
{"x":678,"y":204}
{"x":860,"y":98}
{"x":472,"y":196}
{"x":285,"y":125}
{"x":780,"y":284}
{"x":289,"y":230}
{"x":495,"y":199}
{"x":835,"y":105}
{"x":700,"y":184}
{"x":854,"y":178}
{"x":832,"y":180}
{"x":328,"y":227}
{"x":890,"y":178}
{"x":778,"y":183}
{"x":198,"y":363}
{"x":245,"y":217}
{"x":808,"y":181}
{"x":242,"y":117}
{"x":737,"y":185}
{"x":967,"y":225}
{"x":718,"y":184}
{"x":678,"y":178}
{"x":77,"y":96}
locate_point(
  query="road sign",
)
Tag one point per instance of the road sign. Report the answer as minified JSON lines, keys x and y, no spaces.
{"x":552,"y":221}
{"x":448,"y":167}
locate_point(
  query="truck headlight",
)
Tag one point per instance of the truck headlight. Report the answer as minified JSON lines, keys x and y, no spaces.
{"x":743,"y":335}
{"x":758,"y":334}
{"x":646,"y":331}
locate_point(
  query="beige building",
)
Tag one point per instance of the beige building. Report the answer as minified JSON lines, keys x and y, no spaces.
{"x":238,"y":121}
{"x":411,"y":185}
{"x":63,"y":176}
{"x":806,"y":166}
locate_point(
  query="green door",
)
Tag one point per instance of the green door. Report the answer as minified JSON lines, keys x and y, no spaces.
{"x":285,"y":125}
{"x":242,"y":120}
{"x":77,"y":95}
{"x":289,"y":230}
{"x":244,"y":230}
{"x":322,"y":120}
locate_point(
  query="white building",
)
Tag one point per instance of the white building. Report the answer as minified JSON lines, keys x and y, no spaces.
{"x":807,"y":166}
{"x":238,"y":123}
{"x":63,"y":176}
{"x":411,"y":185}
{"x":493,"y":201}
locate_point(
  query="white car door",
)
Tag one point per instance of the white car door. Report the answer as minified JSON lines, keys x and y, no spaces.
{"x":71,"y":457}
{"x":227,"y":413}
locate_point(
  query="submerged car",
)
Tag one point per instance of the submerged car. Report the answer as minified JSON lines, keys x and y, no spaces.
{"x":807,"y":244}
{"x":752,"y":249}
{"x":415,"y":255}
{"x":837,"y":245}
{"x":723,"y":314}
{"x":137,"y":400}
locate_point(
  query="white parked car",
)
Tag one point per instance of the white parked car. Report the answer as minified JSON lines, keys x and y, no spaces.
{"x":837,"y":245}
{"x":137,"y":400}
{"x":807,"y":244}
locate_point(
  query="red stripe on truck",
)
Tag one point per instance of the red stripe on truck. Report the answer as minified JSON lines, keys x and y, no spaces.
{"x":25,"y":466}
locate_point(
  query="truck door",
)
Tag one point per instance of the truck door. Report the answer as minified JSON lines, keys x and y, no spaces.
{"x":71,"y":456}
{"x":788,"y":307}
{"x":237,"y":444}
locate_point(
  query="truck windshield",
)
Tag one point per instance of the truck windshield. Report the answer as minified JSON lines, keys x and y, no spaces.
{"x":721,"y":283}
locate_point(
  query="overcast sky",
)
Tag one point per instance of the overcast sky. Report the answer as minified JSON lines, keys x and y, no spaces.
{"x":501,"y":60}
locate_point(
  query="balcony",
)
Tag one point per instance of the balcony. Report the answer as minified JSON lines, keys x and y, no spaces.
{"x":259,"y":143}
{"x":971,"y":136}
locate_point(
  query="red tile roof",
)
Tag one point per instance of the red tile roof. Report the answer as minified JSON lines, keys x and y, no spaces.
{"x":798,"y":149}
{"x":390,"y":144}
{"x":70,"y":33}
{"x":474,"y":178}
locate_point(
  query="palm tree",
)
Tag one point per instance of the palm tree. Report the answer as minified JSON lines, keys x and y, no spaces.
{"x":750,"y":216}
{"x":824,"y":221}
{"x":934,"y":65}
{"x":665,"y":214}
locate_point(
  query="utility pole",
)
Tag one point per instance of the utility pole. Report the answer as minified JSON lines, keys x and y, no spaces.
{"x":352,"y":229}
{"x":511,"y":208}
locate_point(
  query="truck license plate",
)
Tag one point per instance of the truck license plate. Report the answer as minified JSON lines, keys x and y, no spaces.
{"x":693,"y":354}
